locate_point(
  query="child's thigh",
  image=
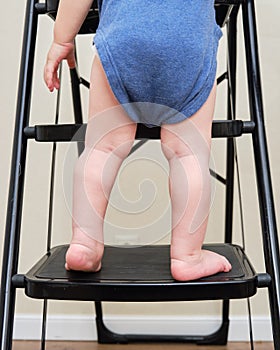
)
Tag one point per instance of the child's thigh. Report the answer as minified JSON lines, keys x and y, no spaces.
{"x":109,"y":127}
{"x":101,"y":96}
{"x":192,"y":136}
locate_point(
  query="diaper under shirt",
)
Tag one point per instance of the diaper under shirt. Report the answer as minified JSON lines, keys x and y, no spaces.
{"x":159,"y":56}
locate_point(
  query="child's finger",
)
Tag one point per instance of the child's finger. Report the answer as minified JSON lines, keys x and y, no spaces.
{"x":48,"y":77}
{"x":56,"y":82}
{"x":48,"y":81}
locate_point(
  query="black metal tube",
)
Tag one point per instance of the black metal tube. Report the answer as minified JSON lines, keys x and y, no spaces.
{"x":44,"y":325}
{"x":266,"y":202}
{"x":77,"y":105}
{"x":231,"y":37}
{"x":14,"y":207}
{"x":53,"y":168}
{"x":222,"y":77}
{"x":75,"y":83}
{"x":231,"y":102}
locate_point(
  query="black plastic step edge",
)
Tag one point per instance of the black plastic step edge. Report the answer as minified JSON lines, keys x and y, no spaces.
{"x":76,"y":132}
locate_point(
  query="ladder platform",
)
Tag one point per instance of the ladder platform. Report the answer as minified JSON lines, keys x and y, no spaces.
{"x":138,"y":274}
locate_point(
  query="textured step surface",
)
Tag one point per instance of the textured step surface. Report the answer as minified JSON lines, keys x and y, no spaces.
{"x":138,"y":274}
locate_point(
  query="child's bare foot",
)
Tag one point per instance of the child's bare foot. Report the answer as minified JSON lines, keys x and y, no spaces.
{"x":192,"y":267}
{"x":84,"y":253}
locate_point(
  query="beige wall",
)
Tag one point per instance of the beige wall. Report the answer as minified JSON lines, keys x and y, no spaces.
{"x":43,"y":104}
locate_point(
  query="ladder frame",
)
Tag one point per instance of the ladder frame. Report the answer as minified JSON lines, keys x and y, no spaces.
{"x":9,"y":282}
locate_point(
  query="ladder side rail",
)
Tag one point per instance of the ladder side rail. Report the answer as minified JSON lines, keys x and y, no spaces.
{"x":231,"y":28}
{"x":231,"y":115}
{"x":14,"y":206}
{"x":266,"y":203}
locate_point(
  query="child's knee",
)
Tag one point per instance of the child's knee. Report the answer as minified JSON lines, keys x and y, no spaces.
{"x":177,"y":146}
{"x":118,"y":141}
{"x":173,"y":146}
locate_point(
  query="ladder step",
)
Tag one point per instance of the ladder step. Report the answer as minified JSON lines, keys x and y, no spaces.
{"x":228,"y":2}
{"x":138,"y":274}
{"x":76,"y":132}
{"x":50,"y":6}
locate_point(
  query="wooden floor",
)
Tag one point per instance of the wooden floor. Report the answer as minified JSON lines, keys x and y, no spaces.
{"x":32,"y":345}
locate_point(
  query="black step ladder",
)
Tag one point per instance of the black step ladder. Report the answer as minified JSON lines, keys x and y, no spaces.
{"x":142,"y":273}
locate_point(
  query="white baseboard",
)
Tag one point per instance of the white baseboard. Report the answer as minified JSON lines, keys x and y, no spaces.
{"x":82,"y":328}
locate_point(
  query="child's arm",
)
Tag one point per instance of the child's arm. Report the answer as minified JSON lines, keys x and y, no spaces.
{"x":70,"y":17}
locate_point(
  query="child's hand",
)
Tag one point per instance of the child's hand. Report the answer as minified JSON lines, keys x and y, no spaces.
{"x":56,"y":54}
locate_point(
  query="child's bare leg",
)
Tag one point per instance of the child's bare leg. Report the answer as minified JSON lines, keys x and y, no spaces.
{"x":109,"y":137}
{"x":186,"y":145}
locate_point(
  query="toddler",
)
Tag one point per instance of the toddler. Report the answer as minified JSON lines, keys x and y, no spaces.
{"x":155,"y":63}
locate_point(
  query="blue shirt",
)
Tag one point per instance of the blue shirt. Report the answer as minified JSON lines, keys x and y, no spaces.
{"x":159,"y":56}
